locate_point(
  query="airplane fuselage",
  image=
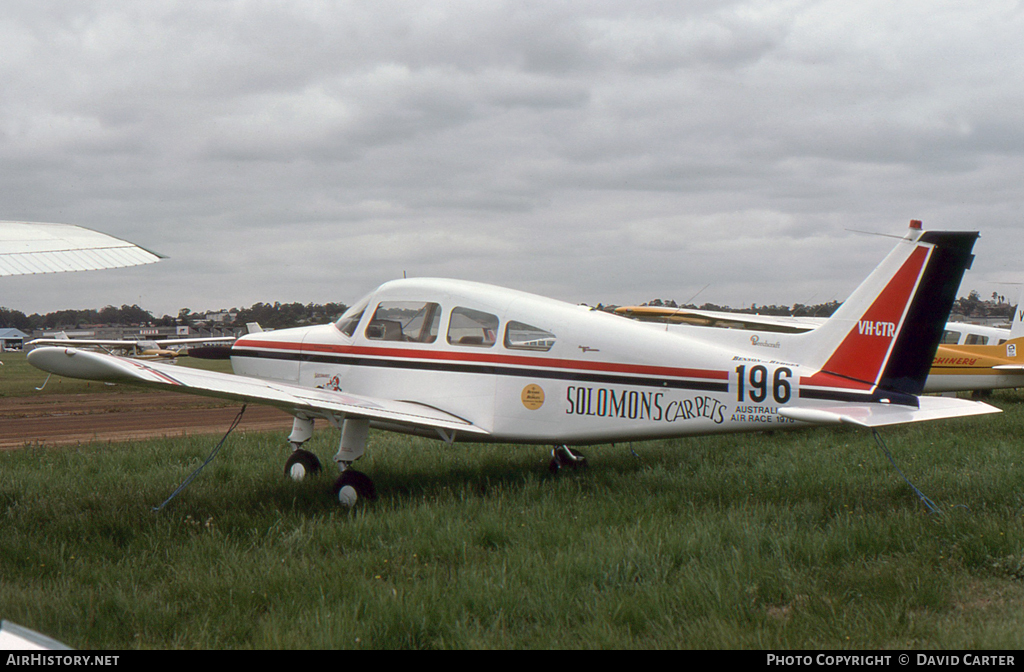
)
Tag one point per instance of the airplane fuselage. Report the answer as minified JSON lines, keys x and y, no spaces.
{"x":585,"y":377}
{"x":977,"y":367}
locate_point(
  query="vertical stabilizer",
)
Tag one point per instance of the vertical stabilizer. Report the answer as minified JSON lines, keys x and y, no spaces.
{"x":884,"y":337}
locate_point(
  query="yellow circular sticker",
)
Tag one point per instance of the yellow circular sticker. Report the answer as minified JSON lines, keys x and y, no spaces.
{"x":533,"y":397}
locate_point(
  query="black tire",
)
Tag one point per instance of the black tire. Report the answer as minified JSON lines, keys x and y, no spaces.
{"x":359,"y":481}
{"x":301,"y":463}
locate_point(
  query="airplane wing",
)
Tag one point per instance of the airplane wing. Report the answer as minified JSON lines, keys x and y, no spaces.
{"x":293,"y":399}
{"x":881,"y":415}
{"x":37,"y":247}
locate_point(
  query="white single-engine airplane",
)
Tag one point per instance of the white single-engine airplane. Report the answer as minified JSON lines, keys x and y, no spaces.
{"x":463,"y":361}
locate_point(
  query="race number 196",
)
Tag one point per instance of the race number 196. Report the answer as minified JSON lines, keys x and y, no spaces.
{"x":756,"y":384}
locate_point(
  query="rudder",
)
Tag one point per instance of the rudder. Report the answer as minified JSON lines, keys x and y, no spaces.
{"x":917,"y":342}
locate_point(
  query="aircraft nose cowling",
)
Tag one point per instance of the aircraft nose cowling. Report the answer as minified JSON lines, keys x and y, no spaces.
{"x":77,"y":364}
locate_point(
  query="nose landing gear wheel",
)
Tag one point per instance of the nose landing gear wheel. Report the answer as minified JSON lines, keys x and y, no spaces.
{"x":301,"y":463}
{"x":352,"y":486}
{"x":564,"y":457}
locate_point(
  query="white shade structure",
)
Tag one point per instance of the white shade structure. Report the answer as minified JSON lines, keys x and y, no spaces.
{"x":35,"y":247}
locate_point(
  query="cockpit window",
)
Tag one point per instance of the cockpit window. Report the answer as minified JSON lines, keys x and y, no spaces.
{"x":349,"y":320}
{"x":975,"y":339}
{"x":472,"y":327}
{"x":413,"y":321}
{"x":522,"y":336}
{"x":950,"y":337}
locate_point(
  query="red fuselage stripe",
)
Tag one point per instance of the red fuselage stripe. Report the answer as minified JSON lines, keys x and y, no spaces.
{"x":484,"y":358}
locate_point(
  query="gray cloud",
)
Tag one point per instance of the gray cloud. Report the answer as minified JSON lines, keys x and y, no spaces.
{"x":591,"y":151}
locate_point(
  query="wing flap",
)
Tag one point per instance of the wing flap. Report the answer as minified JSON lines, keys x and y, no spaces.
{"x":881,"y":415}
{"x":74,"y":363}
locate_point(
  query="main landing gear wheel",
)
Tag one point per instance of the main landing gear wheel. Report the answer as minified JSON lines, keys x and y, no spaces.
{"x":301,"y":463}
{"x":564,"y":457}
{"x":352,"y":486}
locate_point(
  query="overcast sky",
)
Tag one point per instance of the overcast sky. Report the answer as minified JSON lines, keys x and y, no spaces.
{"x":590,"y":151}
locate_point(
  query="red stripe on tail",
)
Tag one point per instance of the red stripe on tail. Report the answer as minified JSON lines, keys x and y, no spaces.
{"x":863,"y":353}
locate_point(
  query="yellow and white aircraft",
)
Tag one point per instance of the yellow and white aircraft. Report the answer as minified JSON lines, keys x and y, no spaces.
{"x":970,"y":357}
{"x":964,"y":362}
{"x":955,"y":333}
{"x":981,"y":367}
{"x":962,"y":333}
{"x":463,"y":361}
{"x":721,"y":319}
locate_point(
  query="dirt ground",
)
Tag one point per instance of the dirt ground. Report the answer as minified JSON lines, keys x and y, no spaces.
{"x":60,"y":419}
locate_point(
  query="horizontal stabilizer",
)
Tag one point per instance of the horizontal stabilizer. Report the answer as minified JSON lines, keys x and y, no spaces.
{"x":881,"y":415}
{"x":294,"y":399}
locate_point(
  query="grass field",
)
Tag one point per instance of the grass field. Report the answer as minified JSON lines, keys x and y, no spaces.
{"x":791,"y":540}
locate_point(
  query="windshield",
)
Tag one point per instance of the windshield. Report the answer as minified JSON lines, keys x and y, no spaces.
{"x":349,"y":320}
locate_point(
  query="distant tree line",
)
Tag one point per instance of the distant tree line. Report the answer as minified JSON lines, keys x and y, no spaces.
{"x":269,"y":315}
{"x":973,"y":305}
{"x":125,"y":315}
{"x":282,"y":315}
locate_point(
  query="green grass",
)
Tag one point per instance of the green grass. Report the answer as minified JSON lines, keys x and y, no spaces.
{"x":788,"y":540}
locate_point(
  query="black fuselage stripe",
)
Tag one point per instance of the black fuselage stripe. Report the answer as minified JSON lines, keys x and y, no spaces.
{"x":485,"y":369}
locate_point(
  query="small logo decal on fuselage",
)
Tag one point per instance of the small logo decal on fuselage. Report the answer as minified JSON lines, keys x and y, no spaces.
{"x":756,"y":340}
{"x":333,"y":383}
{"x":533,"y":397}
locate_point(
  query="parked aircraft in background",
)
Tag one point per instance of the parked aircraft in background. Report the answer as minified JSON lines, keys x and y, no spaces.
{"x":956,"y":333}
{"x":970,"y":357}
{"x":160,"y":348}
{"x":463,"y":361}
{"x":721,"y":319}
{"x":140,"y":349}
{"x":39,"y":247}
{"x":977,"y":367}
{"x":961,"y":333}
